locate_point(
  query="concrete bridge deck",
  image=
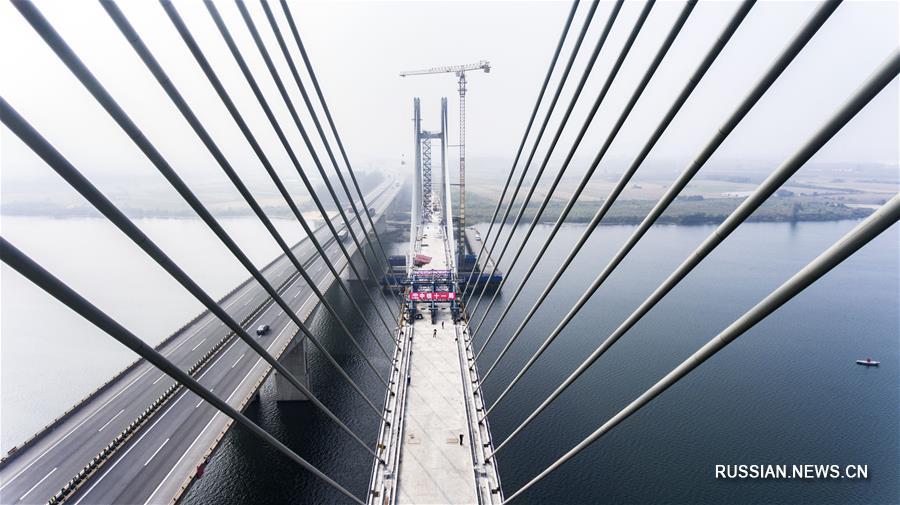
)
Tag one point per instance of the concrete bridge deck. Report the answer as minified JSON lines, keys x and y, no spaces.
{"x":159,"y":461}
{"x":436,"y":464}
{"x":435,"y":446}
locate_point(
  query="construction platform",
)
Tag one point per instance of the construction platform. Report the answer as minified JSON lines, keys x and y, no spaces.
{"x":435,"y":445}
{"x":485,"y":266}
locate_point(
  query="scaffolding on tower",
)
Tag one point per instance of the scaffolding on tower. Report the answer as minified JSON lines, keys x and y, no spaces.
{"x":460,"y":71}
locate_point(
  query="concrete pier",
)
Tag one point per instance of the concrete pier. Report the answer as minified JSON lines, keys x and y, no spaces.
{"x":295,"y":361}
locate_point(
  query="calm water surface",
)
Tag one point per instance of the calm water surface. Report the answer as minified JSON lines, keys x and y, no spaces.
{"x":787,"y":392}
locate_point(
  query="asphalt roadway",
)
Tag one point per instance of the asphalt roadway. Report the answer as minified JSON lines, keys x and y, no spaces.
{"x":159,"y":460}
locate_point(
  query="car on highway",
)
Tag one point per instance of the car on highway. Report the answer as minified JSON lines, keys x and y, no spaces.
{"x":262,"y":330}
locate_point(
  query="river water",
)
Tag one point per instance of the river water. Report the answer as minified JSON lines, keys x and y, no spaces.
{"x":787,"y":392}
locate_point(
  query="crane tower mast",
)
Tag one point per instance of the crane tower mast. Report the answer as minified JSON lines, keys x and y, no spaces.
{"x":460,"y":71}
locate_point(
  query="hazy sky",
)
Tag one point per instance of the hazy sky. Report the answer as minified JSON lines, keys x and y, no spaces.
{"x":358,"y":49}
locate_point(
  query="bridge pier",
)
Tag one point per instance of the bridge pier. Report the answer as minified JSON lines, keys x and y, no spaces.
{"x":294,"y":360}
{"x":359,"y":260}
{"x":360,"y":265}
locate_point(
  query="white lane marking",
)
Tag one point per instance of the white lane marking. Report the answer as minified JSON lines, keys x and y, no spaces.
{"x":159,"y":379}
{"x":242,"y":381}
{"x":36,"y":485}
{"x":86,"y":419}
{"x":282,"y":333}
{"x":238,"y":360}
{"x":111,"y":420}
{"x":150,"y":500}
{"x":184,"y":341}
{"x":198,"y":344}
{"x":253,"y":367}
{"x":132,"y":446}
{"x":211,"y":319}
{"x":298,"y":294}
{"x":210,"y":367}
{"x":156,"y":452}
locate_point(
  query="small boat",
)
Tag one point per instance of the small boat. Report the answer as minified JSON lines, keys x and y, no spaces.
{"x":867,"y":362}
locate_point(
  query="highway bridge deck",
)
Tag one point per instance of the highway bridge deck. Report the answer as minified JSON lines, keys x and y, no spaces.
{"x":158,"y":463}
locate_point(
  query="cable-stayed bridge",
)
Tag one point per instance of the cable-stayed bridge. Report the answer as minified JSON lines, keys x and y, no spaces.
{"x":146,"y":434}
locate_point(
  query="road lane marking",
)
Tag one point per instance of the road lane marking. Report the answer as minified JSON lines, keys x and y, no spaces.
{"x":111,"y":420}
{"x":184,"y":341}
{"x":242,"y":381}
{"x":159,"y":379}
{"x":211,"y":365}
{"x":156,"y":452}
{"x":212,"y":317}
{"x":238,"y":360}
{"x":198,"y":344}
{"x":86,"y":419}
{"x":253,"y":367}
{"x":36,"y":485}
{"x":236,"y":297}
{"x":132,"y":446}
{"x":248,"y":290}
{"x":164,"y":479}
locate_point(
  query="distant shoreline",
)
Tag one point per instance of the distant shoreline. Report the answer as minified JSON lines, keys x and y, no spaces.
{"x":684,"y":211}
{"x":90,"y":212}
{"x":688,"y":211}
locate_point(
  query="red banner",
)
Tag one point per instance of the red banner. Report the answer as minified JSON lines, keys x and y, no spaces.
{"x":427,"y":296}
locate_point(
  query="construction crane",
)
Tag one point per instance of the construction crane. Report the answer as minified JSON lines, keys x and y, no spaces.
{"x":460,"y":71}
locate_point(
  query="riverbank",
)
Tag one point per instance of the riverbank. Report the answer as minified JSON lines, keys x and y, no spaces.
{"x":683,"y":211}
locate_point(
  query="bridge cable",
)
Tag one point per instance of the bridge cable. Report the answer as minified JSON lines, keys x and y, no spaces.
{"x":251,"y":81}
{"x":59,"y":290}
{"x":195,"y":50}
{"x":623,"y":116}
{"x":787,"y":55}
{"x":562,"y":124}
{"x":788,"y":168}
{"x":260,"y":45}
{"x":766,"y":189}
{"x":229,"y":104}
{"x":512,"y":169}
{"x":738,"y":17}
{"x":42,"y":147}
{"x":152,"y":64}
{"x":50,"y":36}
{"x":309,"y":70}
{"x":859,"y":236}
{"x":314,"y":115}
{"x":576,"y":48}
